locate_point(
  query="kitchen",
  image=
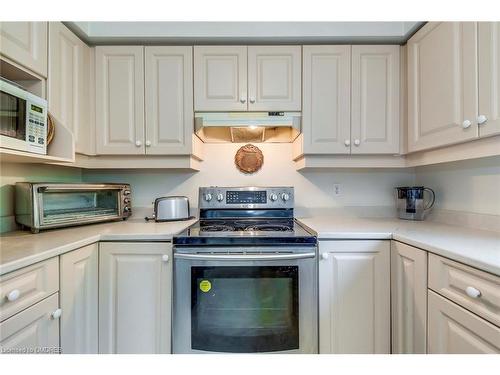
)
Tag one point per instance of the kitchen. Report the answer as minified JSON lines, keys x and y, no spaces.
{"x":345,"y":180}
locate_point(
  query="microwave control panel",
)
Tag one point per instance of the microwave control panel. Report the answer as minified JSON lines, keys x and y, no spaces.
{"x":36,"y":128}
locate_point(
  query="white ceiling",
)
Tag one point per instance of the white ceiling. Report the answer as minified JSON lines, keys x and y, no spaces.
{"x":243,"y":32}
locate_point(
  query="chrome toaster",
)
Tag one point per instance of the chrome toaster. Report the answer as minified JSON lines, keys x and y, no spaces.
{"x":171,"y":209}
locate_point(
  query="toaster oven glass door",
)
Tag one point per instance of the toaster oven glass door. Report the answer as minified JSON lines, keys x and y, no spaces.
{"x":79,"y":206}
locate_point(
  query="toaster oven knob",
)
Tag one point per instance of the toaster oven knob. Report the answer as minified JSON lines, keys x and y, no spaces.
{"x":220,"y":197}
{"x":126,"y":208}
{"x":273,"y":197}
{"x":126,"y":192}
{"x":208,"y":197}
{"x":126,"y":200}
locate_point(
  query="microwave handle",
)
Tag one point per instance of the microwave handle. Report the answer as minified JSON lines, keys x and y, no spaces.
{"x":244,"y":256}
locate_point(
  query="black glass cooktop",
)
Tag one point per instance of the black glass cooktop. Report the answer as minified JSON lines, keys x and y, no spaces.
{"x":245,"y":232}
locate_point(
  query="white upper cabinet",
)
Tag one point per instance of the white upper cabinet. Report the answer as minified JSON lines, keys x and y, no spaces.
{"x":375,"y":99}
{"x":274,"y":78}
{"x":135,"y":297}
{"x":354,"y":297}
{"x":326,"y":99}
{"x":119,"y":99}
{"x":220,"y":78}
{"x":489,"y":78}
{"x":79,"y":300}
{"x":409,"y":299}
{"x":26,"y":44}
{"x":169,"y":100}
{"x":69,"y":83}
{"x":442,"y":85}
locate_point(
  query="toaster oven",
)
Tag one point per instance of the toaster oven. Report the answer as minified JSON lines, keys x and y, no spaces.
{"x":54,"y":205}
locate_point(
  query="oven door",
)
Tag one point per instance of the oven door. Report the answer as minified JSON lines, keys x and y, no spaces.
{"x":240,"y":302}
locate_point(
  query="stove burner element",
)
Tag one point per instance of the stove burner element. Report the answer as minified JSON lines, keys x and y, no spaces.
{"x":216,"y":228}
{"x":268,"y":228}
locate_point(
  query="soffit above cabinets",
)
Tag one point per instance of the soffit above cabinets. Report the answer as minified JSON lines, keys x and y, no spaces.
{"x":244,"y":32}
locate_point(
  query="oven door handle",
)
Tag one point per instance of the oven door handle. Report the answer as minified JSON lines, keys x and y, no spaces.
{"x":245,"y":257}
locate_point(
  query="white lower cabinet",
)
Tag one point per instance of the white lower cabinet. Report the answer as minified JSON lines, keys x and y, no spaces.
{"x":135,"y":297}
{"x":454,"y":330}
{"x":33,"y":330}
{"x":354,"y":296}
{"x":409,"y":299}
{"x":79,"y":300}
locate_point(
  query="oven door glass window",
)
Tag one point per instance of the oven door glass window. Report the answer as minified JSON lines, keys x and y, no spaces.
{"x":244,"y":309}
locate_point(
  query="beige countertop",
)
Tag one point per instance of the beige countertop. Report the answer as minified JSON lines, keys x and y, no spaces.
{"x":22,"y":248}
{"x":474,"y":247}
{"x":477,"y":248}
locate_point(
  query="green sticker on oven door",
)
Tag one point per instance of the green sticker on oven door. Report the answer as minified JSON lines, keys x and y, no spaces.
{"x":205,"y":286}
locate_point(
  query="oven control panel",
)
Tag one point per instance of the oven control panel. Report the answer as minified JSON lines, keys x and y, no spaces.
{"x":245,"y":197}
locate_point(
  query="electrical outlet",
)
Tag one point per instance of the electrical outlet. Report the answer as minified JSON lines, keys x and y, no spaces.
{"x":336,"y":189}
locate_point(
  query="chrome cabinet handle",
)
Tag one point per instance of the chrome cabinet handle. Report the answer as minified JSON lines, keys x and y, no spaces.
{"x":244,"y":256}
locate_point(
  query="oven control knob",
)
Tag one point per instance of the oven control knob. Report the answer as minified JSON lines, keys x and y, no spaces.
{"x":273,"y":197}
{"x":285,"y":196}
{"x":208,"y":197}
{"x":220,"y":197}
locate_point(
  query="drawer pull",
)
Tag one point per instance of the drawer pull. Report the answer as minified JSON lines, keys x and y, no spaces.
{"x":13,"y":295}
{"x":56,"y":314}
{"x":472,"y":292}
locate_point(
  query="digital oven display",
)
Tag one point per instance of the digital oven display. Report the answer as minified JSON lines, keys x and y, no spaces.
{"x":246,"y":197}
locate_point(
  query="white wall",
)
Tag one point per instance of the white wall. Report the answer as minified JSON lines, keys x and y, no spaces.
{"x":313,"y":189}
{"x":471,"y":186}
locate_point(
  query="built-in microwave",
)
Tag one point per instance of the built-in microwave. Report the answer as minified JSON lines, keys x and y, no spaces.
{"x":23,"y":119}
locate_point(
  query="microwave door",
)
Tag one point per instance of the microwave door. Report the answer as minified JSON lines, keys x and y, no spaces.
{"x":12,"y":116}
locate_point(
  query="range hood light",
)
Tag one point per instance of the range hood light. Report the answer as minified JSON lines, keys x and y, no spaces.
{"x":247,"y":127}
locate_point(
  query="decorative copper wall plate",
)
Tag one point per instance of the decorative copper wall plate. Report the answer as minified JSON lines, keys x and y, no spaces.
{"x":50,"y":128}
{"x":249,"y":159}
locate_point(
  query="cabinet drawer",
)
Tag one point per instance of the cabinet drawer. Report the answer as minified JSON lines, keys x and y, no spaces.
{"x":458,"y":282}
{"x":33,"y":330}
{"x":27,"y":286}
{"x":454,"y":330}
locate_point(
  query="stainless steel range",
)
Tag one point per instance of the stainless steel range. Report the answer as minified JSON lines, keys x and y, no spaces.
{"x":245,"y":276}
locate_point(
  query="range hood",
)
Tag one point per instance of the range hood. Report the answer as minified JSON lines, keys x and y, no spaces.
{"x":247,"y":127}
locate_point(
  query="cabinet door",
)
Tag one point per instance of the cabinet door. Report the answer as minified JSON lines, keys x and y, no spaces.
{"x":327,"y":96}
{"x":442,"y":85}
{"x":454,"y":330}
{"x":33,"y":330}
{"x":79,"y":301}
{"x":354,"y":297}
{"x":135,"y":297}
{"x":489,"y":77}
{"x":26,"y":44}
{"x":274,"y":78}
{"x":220,"y":78}
{"x":119,"y":100}
{"x":375,"y":100}
{"x":169,"y":100}
{"x":68,"y":83}
{"x":409,"y":299}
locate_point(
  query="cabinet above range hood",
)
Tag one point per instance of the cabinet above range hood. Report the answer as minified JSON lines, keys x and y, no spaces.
{"x":247,"y":127}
